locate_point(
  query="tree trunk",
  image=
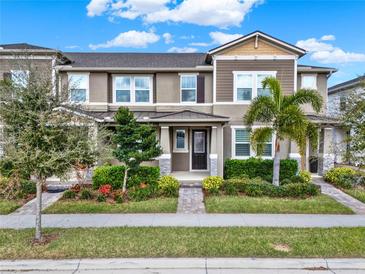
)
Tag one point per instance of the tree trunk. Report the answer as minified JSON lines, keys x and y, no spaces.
{"x":125,"y":180}
{"x":38,"y":216}
{"x":276,"y":171}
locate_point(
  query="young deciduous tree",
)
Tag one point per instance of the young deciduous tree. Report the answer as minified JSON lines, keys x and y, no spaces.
{"x":135,"y":142}
{"x":285,"y":117}
{"x":38,"y":139}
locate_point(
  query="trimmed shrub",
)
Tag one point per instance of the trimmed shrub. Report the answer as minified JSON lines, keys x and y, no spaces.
{"x":255,"y":167}
{"x":169,"y":186}
{"x":306,"y":175}
{"x":261,"y":189}
{"x":142,"y":192}
{"x":86,"y":194}
{"x":114,"y":176}
{"x":285,"y":182}
{"x":101,"y":198}
{"x":334,"y":174}
{"x":296,"y":179}
{"x":105,"y":190}
{"x":212,"y":184}
{"x":345,"y":181}
{"x":28,"y":187}
{"x":299,"y":190}
{"x":68,"y":194}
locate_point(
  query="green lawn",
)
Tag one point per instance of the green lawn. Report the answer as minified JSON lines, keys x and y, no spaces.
{"x":321,"y":204}
{"x":357,"y":193}
{"x":162,"y":205}
{"x":8,"y":206}
{"x":184,"y":242}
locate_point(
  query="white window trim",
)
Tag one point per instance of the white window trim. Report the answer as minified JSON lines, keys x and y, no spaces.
{"x":196,"y":88}
{"x":252,"y":151}
{"x":254,"y":84}
{"x":87,"y":74}
{"x":181,"y":150}
{"x":308,"y":74}
{"x":132,"y":90}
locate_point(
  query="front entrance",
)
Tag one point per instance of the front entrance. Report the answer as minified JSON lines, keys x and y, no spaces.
{"x":199,"y":150}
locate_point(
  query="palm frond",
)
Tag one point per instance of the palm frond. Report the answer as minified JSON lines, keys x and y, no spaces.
{"x":292,"y":122}
{"x":262,"y":109}
{"x":312,"y":134}
{"x":275,"y":88}
{"x":305,"y":96}
{"x":258,"y":138}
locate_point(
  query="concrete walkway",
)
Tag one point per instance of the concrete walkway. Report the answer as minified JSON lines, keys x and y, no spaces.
{"x":187,"y":265}
{"x":191,"y":198}
{"x":343,"y":198}
{"x":183,"y":220}
{"x":47,"y":200}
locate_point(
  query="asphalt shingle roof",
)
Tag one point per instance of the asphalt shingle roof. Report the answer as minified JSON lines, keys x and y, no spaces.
{"x":136,"y":60}
{"x":22,"y":46}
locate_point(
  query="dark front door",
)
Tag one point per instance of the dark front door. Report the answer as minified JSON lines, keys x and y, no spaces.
{"x":199,"y":149}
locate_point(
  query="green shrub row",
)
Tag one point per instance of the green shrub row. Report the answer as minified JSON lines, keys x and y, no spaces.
{"x":345,"y":177}
{"x":114,"y":176}
{"x":256,"y":167}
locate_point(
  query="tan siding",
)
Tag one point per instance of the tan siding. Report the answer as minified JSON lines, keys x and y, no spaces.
{"x":225,"y":68}
{"x":6,"y":65}
{"x":248,"y":48}
{"x":98,"y":87}
{"x":167,"y":88}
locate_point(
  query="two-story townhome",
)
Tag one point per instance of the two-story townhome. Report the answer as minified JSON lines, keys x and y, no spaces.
{"x":337,"y":97}
{"x":196,"y":101}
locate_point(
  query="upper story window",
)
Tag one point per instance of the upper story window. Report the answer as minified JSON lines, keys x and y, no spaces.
{"x":309,"y":81}
{"x":20,"y":77}
{"x":78,"y":87}
{"x":132,"y":89}
{"x":188,"y":85}
{"x":241,"y":144}
{"x":248,"y":84}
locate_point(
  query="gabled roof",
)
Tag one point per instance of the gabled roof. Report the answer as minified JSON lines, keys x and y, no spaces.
{"x":346,"y":85}
{"x":270,"y":38}
{"x":22,"y":46}
{"x":135,"y":60}
{"x":189,"y":116}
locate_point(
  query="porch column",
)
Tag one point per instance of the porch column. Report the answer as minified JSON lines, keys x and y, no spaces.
{"x":213,"y":156}
{"x":294,"y":153}
{"x":326,"y":157}
{"x":165,"y":158}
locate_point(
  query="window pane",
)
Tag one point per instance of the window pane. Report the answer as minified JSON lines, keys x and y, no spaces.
{"x":267,"y":150}
{"x":309,"y":82}
{"x":244,"y":94}
{"x":123,"y":96}
{"x":142,"y":95}
{"x":78,"y":81}
{"x":122,"y":82}
{"x":188,"y":95}
{"x":199,"y":142}
{"x":188,"y":82}
{"x":261,"y":91}
{"x":242,"y":135}
{"x":20,"y":77}
{"x":142,"y":82}
{"x":180,"y":139}
{"x":242,"y":149}
{"x":244,"y":81}
{"x":78,"y":95}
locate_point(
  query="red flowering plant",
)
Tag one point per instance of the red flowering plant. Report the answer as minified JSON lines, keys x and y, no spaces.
{"x":105,"y":190}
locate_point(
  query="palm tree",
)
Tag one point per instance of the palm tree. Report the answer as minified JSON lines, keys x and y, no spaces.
{"x":284,"y":118}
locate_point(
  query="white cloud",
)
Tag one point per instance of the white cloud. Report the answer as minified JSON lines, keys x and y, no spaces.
{"x":216,"y":13}
{"x":326,"y":53}
{"x":220,"y":38}
{"x":328,"y":37}
{"x":199,"y":44}
{"x":72,"y":47}
{"x":168,"y":38}
{"x":97,"y":7}
{"x":129,"y":39}
{"x":182,"y":50}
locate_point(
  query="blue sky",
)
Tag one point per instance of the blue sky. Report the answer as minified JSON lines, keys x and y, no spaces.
{"x":332,"y":31}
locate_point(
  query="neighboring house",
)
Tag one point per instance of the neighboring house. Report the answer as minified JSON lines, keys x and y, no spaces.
{"x":337,"y":96}
{"x":195,"y":100}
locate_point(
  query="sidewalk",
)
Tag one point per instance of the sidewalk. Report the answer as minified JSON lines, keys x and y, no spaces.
{"x":183,"y":220}
{"x":187,"y":265}
{"x":29,"y":208}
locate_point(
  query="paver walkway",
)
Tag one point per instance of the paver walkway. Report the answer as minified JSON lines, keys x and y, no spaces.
{"x":343,"y":198}
{"x":30,"y":207}
{"x":188,"y":265}
{"x":191,"y":198}
{"x":183,"y":220}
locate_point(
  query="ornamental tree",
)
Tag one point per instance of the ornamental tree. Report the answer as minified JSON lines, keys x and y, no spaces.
{"x":135,"y":142}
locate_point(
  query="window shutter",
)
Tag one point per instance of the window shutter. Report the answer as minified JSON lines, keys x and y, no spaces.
{"x":200,"y":89}
{"x":110,"y":88}
{"x":7,"y":76}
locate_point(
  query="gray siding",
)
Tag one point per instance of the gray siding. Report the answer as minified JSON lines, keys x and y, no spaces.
{"x":225,"y":68}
